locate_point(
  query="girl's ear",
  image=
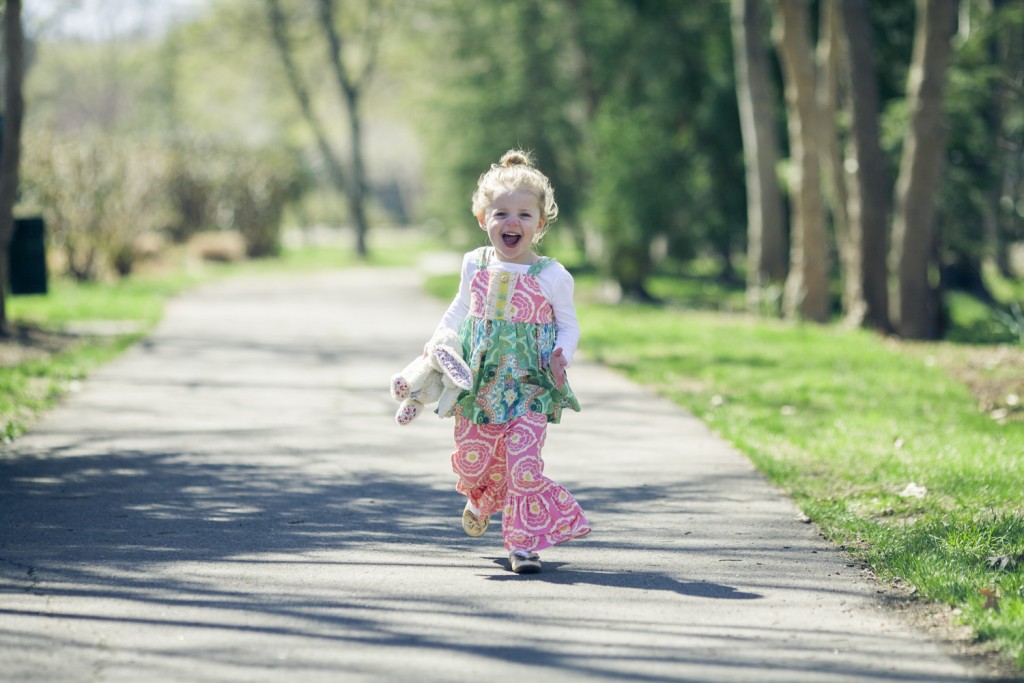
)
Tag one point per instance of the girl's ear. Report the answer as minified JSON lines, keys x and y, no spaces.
{"x":480,"y":221}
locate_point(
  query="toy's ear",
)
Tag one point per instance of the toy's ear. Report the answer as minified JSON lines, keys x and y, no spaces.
{"x":454,"y":367}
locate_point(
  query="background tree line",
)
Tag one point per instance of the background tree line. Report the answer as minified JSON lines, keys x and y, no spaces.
{"x":866,"y":154}
{"x":857,"y":158}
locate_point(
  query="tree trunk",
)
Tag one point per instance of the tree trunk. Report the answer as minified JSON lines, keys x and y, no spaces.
{"x":766,"y":248}
{"x":278,"y":29}
{"x":868,"y":205}
{"x":357,"y":183}
{"x":10,"y":155}
{"x":916,"y":299}
{"x":351,"y":89}
{"x":833,"y":179}
{"x":806,"y":295}
{"x":349,"y":178}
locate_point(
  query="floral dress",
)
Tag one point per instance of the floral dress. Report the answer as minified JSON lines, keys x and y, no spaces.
{"x":507,"y":339}
{"x":501,"y":423}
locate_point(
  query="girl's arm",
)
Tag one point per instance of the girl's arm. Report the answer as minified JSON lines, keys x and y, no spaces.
{"x":566,"y":323}
{"x":459,"y":307}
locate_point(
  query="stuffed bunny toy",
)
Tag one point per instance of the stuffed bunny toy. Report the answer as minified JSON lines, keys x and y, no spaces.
{"x":440,"y":375}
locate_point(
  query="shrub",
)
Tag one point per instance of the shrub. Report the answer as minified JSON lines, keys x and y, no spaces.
{"x":99,"y":193}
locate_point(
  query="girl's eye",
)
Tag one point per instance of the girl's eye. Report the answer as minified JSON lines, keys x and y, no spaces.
{"x":499,"y":214}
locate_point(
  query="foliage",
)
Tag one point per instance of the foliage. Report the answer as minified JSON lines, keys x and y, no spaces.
{"x":985,"y":132}
{"x":488,"y":95}
{"x":134,"y":136}
{"x":98,"y":194}
{"x":229,"y":187}
{"x":629,"y":106}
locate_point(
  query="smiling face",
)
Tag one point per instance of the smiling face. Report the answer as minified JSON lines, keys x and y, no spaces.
{"x":512,"y":220}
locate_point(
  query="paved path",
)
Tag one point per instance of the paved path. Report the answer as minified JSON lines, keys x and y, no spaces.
{"x":231,"y":501}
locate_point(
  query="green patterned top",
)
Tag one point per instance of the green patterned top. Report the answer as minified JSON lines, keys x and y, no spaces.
{"x":507,"y":339}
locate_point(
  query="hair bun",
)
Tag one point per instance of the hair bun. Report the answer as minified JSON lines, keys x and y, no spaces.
{"x":516,"y":157}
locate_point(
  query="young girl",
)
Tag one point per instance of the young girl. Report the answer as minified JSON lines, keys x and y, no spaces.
{"x":515,"y":314}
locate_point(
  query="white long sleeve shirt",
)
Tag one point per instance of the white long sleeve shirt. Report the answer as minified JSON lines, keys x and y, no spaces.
{"x":556,"y":284}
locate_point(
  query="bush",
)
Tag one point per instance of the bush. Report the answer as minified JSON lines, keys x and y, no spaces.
{"x":231,"y":188}
{"x":99,"y":193}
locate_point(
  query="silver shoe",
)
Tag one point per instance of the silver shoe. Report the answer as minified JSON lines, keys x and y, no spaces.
{"x":524,"y":562}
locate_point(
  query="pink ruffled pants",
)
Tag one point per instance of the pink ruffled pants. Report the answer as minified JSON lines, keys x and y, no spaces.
{"x":500,"y":468}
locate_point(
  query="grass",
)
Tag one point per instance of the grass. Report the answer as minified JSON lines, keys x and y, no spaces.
{"x":33,"y":386}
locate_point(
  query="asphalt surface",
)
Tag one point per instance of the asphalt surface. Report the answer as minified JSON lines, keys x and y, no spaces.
{"x":232,"y":500}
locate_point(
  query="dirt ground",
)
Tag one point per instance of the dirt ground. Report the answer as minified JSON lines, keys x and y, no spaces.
{"x":994,"y":374}
{"x":27,"y":343}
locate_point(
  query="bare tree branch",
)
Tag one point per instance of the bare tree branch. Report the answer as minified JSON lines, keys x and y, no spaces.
{"x":278,"y":27}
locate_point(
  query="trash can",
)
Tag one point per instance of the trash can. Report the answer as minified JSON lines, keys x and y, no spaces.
{"x":26,"y":257}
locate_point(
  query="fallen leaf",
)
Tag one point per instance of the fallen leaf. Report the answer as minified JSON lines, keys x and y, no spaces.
{"x":991,"y":598}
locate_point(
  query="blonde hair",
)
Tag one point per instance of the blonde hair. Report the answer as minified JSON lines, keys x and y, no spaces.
{"x":515,"y":171}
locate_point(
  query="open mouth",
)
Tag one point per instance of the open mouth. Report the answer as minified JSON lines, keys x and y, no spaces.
{"x":510,"y":239}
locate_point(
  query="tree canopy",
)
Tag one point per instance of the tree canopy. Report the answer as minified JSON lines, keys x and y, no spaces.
{"x":632,"y":107}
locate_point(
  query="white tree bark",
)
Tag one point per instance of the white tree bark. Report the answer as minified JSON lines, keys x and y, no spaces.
{"x":916,"y":300}
{"x":806,"y":294}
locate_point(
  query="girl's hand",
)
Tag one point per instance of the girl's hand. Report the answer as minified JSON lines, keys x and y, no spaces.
{"x":557,"y":364}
